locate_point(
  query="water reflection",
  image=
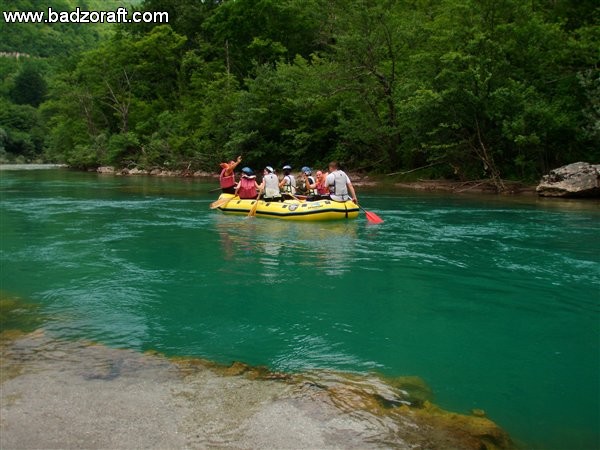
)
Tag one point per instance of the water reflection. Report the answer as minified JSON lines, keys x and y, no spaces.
{"x":280,"y":247}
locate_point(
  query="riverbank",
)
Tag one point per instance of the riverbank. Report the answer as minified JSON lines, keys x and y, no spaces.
{"x":360,"y":180}
{"x":75,"y":394}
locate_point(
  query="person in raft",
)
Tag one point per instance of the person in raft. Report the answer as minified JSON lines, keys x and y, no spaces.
{"x":270,"y":186}
{"x":227,"y":177}
{"x":288,"y":182}
{"x":247,"y":187}
{"x":310,"y":184}
{"x":340,"y":186}
{"x":321,"y":185}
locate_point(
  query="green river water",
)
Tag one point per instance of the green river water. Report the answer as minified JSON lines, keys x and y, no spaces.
{"x":494,"y":302}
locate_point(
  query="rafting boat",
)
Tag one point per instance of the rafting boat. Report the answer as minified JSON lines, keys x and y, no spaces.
{"x":294,"y":209}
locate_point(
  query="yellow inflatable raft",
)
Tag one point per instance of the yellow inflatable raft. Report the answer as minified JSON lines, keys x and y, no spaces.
{"x":291,"y":209}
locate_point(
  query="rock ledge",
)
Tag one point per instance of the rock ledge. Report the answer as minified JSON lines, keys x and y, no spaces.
{"x":580,"y":179}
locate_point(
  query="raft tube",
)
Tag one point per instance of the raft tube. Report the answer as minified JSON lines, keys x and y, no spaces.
{"x":292,"y":209}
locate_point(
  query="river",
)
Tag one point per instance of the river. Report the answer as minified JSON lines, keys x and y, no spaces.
{"x":493,"y":301}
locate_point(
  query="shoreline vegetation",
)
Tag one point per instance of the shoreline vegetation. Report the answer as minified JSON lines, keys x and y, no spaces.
{"x":52,"y":391}
{"x":393,"y":180}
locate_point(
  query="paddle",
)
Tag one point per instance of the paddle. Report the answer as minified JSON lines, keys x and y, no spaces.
{"x":220,"y":202}
{"x":215,"y":190}
{"x":292,"y":195}
{"x":252,"y":211}
{"x":371,"y":216}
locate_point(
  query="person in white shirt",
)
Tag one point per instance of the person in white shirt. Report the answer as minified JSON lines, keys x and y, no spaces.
{"x":270,"y":186}
{"x":339,"y":184}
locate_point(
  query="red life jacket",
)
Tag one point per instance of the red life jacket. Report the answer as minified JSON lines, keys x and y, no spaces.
{"x":322,"y":188}
{"x":226,"y":181}
{"x":247,"y":188}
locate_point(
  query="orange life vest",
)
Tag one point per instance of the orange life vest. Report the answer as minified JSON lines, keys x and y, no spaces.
{"x":247,"y":188}
{"x":226,"y":181}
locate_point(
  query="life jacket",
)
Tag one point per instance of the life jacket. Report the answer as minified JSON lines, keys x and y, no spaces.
{"x":338,"y":186}
{"x":290,"y":186}
{"x":247,"y":187}
{"x":311,"y":191}
{"x":271,"y":186}
{"x":226,"y":181}
{"x":322,"y":188}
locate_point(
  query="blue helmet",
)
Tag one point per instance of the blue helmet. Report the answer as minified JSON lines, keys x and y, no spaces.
{"x":247,"y":171}
{"x":306,"y":170}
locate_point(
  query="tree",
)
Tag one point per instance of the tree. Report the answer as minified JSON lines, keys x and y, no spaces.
{"x":22,"y":132}
{"x":119,"y":90}
{"x":29,"y":87}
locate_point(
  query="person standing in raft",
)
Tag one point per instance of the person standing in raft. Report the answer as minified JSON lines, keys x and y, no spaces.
{"x":247,"y":187}
{"x":270,"y":186}
{"x":288,"y":182}
{"x":227,"y":177}
{"x":340,"y":186}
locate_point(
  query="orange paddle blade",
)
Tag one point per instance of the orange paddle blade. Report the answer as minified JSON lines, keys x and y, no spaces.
{"x":373,"y":218}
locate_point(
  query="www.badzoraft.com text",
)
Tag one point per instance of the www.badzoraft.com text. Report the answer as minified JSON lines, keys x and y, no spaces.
{"x":121,"y":15}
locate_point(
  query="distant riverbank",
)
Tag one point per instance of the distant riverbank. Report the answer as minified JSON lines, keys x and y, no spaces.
{"x":32,"y":166}
{"x":358,"y":179}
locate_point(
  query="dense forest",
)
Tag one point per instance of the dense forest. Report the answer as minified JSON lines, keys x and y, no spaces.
{"x":467,"y":89}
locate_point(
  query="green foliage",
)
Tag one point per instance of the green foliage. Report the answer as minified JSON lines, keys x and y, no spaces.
{"x":53,"y":39}
{"x":37,"y":56}
{"x":22,"y":133}
{"x":29,"y":87}
{"x":250,"y":32}
{"x":468,"y":88}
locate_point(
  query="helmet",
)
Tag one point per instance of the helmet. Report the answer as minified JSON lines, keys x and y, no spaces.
{"x":287,"y":167}
{"x":247,"y":171}
{"x":269,"y":169}
{"x":306,"y":170}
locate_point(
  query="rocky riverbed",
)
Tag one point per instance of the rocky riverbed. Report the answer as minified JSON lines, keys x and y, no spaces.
{"x":75,"y":394}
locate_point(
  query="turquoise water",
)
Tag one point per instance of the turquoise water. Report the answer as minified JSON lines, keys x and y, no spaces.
{"x":494,"y":302}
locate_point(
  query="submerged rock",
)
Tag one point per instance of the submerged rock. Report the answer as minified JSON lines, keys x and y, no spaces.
{"x":579,"y":179}
{"x":72,"y":394}
{"x":68,"y":394}
{"x":400,"y":414}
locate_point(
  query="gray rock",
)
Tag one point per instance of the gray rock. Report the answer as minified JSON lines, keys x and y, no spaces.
{"x":579,"y":179}
{"x":136,"y":171}
{"x":105,"y":169}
